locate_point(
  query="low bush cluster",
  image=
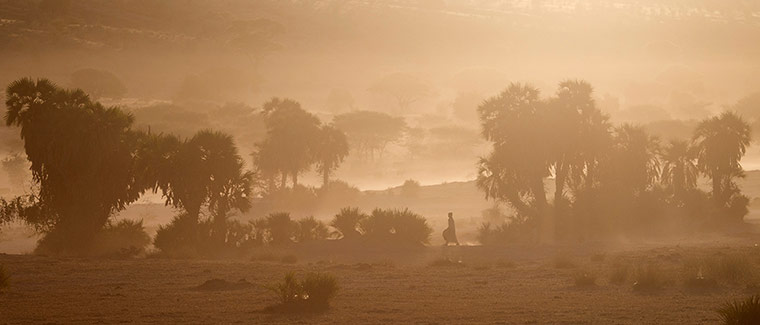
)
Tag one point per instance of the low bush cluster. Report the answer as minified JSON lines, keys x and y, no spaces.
{"x":737,"y":312}
{"x":312,"y":293}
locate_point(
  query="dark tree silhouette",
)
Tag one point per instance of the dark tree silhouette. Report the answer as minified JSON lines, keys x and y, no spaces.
{"x":330,"y":150}
{"x":721,"y":142}
{"x":514,"y":172}
{"x":370,"y":132}
{"x":679,"y":171}
{"x":292,"y":134}
{"x":82,"y":159}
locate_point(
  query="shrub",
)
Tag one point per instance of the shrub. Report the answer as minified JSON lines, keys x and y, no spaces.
{"x":516,"y":230}
{"x":313,"y":293}
{"x":180,"y":237}
{"x":410,"y":227}
{"x":309,"y":229}
{"x":5,"y":278}
{"x":402,"y":225}
{"x":746,"y":311}
{"x":410,"y":189}
{"x":378,"y":225}
{"x":320,"y":288}
{"x":347,"y":222}
{"x":280,"y":228}
{"x":125,"y":238}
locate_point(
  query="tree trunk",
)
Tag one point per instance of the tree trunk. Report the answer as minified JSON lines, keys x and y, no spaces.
{"x":325,"y":178}
{"x":295,"y":179}
{"x":546,"y":221}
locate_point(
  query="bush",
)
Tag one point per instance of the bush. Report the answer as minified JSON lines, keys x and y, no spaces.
{"x":181,"y":237}
{"x":378,"y":225}
{"x":516,"y":230}
{"x":126,"y":238}
{"x":280,"y":228}
{"x":5,"y":278}
{"x":403,"y":226}
{"x":313,"y":293}
{"x":309,"y":229}
{"x":746,"y":311}
{"x":410,"y":227}
{"x":346,"y":223}
{"x":410,"y":189}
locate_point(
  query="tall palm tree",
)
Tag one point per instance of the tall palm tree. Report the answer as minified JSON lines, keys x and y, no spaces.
{"x":330,"y":150}
{"x":721,"y":142}
{"x":515,"y":121}
{"x":679,"y":169}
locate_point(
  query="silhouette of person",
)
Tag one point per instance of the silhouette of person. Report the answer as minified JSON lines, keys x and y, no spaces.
{"x":450,"y":233}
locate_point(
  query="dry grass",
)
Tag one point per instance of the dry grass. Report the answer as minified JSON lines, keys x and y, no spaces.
{"x":737,"y":312}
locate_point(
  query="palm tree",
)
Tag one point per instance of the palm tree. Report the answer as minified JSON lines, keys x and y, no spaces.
{"x":721,"y":142}
{"x":679,"y":169}
{"x":515,"y":121}
{"x":635,"y":163}
{"x":330,"y":150}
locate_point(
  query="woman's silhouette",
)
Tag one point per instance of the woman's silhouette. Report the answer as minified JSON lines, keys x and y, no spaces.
{"x":450,"y":233}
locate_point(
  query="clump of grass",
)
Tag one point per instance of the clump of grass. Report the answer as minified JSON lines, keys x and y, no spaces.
{"x":745,"y":311}
{"x":648,"y":278}
{"x":313,"y":293}
{"x":5,"y":278}
{"x":289,"y":259}
{"x":563,"y":262}
{"x":442,"y":262}
{"x":584,"y":279}
{"x":619,"y":273}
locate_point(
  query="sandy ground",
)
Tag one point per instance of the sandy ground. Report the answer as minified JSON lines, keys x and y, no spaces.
{"x":490,"y":285}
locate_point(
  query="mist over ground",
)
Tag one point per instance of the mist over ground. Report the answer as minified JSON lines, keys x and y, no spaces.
{"x":532,"y":161}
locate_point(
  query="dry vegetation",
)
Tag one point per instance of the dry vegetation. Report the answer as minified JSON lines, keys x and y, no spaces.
{"x":427,"y":286}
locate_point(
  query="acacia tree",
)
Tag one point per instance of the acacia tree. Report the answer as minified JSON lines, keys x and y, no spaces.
{"x":330,"y":150}
{"x":370,"y":132}
{"x":403,"y":88}
{"x":81,"y":156}
{"x":721,"y":142}
{"x":290,"y":139}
